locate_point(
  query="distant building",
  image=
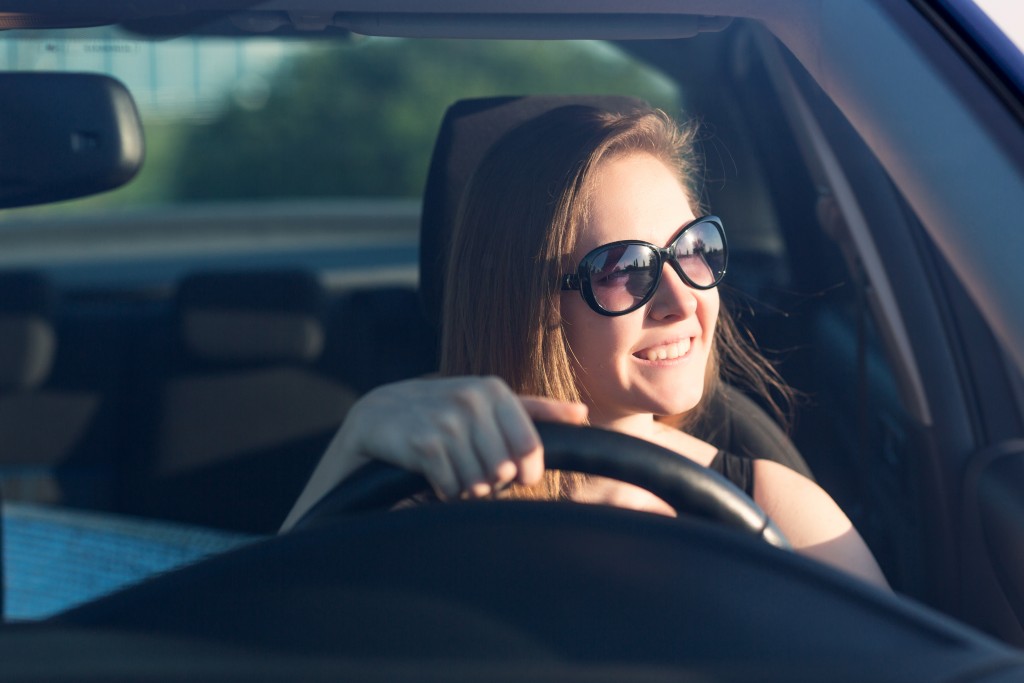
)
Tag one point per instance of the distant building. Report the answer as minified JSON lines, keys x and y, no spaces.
{"x":194,"y":82}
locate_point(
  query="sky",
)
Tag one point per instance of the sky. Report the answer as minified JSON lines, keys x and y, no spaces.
{"x":1008,"y":15}
{"x":176,"y":77}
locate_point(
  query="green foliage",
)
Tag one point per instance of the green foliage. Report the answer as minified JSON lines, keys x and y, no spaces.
{"x":360,"y":119}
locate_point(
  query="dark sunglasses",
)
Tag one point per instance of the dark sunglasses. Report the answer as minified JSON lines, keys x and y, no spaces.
{"x":620,"y":277}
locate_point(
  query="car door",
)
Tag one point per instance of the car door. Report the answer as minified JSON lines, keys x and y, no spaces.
{"x":915,"y":134}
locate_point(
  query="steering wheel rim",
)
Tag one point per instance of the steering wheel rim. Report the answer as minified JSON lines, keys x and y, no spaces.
{"x":692,"y":490}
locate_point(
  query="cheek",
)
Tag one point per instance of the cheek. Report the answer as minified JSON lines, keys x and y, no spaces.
{"x":593,"y":339}
{"x":708,"y":304}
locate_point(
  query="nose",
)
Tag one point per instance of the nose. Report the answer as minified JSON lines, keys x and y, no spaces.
{"x":674,"y":298}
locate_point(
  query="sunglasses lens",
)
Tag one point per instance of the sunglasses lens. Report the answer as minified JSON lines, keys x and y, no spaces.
{"x":700,"y":251}
{"x":621,"y":276}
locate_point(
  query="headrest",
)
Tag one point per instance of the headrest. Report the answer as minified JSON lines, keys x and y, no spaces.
{"x":469,"y":129}
{"x":379,"y":335}
{"x":28,"y":342}
{"x":262,"y":316}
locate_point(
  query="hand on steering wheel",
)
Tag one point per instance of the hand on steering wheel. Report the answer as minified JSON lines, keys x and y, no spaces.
{"x":689,"y":488}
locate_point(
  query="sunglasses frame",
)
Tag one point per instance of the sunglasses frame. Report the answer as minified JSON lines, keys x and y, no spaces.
{"x":580,"y":281}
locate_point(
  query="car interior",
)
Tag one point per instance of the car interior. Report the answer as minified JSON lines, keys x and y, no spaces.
{"x":234,"y":380}
{"x":184,"y":402}
{"x":211,"y":404}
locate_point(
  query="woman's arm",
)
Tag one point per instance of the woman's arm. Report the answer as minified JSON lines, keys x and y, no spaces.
{"x":812,"y":521}
{"x":466,"y":435}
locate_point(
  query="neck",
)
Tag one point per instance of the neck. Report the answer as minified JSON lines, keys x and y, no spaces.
{"x":640,"y":425}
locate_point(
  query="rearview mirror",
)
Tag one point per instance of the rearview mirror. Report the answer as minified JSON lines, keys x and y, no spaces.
{"x":65,"y":135}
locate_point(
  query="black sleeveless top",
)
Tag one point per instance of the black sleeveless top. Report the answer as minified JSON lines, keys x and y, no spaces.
{"x":735,"y":468}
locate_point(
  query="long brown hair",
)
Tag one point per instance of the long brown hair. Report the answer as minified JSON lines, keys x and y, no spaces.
{"x":518,"y":224}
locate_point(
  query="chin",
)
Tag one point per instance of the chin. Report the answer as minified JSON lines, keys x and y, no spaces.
{"x":682,"y":402}
{"x":683,"y":395}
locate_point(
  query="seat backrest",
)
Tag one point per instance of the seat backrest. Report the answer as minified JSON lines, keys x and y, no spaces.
{"x":469,"y":129}
{"x":27,"y":337}
{"x":379,"y":335}
{"x":243,"y":411}
{"x":42,"y":423}
{"x":252,"y":316}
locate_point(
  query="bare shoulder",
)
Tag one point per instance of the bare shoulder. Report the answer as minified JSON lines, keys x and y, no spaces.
{"x":782,"y":491}
{"x":813,"y":522}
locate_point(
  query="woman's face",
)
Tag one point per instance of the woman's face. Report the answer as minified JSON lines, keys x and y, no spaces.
{"x":653,"y":359}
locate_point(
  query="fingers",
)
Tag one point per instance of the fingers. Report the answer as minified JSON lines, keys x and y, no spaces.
{"x":466,"y":435}
{"x":431,"y":458}
{"x":531,"y":464}
{"x":524,"y":453}
{"x":496,"y":468}
{"x":486,"y":455}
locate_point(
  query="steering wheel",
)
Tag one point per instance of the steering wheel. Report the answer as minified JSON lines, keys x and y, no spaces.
{"x":686,"y":486}
{"x":514,"y":590}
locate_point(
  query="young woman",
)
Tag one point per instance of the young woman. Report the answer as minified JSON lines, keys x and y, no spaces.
{"x":581,"y":288}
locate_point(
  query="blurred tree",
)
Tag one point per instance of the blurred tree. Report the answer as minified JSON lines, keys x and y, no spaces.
{"x":360,"y":119}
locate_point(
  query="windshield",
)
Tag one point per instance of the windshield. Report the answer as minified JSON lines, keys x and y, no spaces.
{"x":260,"y":118}
{"x":306,"y":143}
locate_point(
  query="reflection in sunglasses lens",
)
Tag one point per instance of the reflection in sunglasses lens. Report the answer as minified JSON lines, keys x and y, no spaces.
{"x":622,"y":275}
{"x":701,"y":254}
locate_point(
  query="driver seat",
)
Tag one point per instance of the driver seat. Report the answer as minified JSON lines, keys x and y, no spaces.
{"x":734,"y":422}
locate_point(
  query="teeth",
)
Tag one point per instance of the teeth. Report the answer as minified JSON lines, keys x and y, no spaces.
{"x":668,"y":351}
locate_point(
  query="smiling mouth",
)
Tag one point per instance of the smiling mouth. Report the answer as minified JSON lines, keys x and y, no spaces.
{"x":668,"y":351}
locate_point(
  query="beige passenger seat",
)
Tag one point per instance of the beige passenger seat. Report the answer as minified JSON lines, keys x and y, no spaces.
{"x":246,"y":413}
{"x":40,"y":425}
